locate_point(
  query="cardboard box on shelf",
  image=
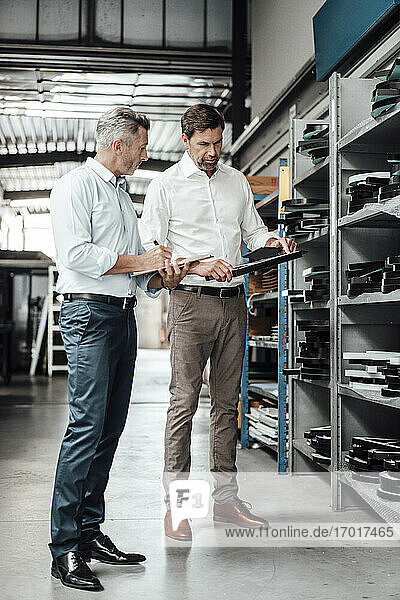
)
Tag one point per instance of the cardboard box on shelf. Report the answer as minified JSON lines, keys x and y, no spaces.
{"x":262,"y":184}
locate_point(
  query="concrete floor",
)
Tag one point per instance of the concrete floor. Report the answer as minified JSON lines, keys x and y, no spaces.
{"x":32,"y":421}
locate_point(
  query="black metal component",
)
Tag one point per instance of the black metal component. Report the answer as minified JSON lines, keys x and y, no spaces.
{"x":49,"y":158}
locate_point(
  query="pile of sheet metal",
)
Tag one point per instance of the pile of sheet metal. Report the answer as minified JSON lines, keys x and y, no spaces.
{"x":386,"y":94}
{"x":319,"y":438}
{"x":313,"y":351}
{"x":374,"y":276}
{"x":315,"y":142}
{"x":304,"y":215}
{"x":263,"y":424}
{"x":392,"y":188}
{"x":364,"y":188}
{"x":367,"y":457}
{"x":380,"y":372}
{"x":389,"y":483}
{"x":318,"y":277}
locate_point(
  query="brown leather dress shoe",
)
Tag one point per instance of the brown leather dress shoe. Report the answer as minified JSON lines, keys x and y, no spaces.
{"x":237,"y":512}
{"x":182,"y":534}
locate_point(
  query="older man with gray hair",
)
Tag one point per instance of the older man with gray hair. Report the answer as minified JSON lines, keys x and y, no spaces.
{"x":98,"y":249}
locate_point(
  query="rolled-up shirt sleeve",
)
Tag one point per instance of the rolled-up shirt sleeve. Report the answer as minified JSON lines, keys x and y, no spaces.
{"x":143,"y":280}
{"x":70,"y":209}
{"x":254,"y":232}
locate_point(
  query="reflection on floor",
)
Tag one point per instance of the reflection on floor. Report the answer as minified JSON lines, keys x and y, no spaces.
{"x":32,"y":421}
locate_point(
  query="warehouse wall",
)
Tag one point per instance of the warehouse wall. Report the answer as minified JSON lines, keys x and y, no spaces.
{"x":282,"y":42}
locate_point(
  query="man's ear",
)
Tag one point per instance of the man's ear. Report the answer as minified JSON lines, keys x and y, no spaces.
{"x":118,"y":146}
{"x":185,"y":141}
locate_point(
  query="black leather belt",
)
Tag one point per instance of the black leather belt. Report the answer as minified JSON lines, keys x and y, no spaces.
{"x":127,"y":303}
{"x":227,"y":292}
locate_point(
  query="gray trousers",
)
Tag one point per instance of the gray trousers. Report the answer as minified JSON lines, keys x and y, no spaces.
{"x":202,"y":327}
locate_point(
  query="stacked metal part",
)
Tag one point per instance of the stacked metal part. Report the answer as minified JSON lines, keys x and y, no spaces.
{"x":389,"y":480}
{"x":367,"y":457}
{"x":386,"y":94}
{"x":375,"y":276}
{"x":315,"y":142}
{"x":314,"y":350}
{"x":319,"y":286}
{"x":380,"y":372}
{"x":392,"y":188}
{"x":364,"y":188}
{"x":319,"y":438}
{"x":304,"y":215}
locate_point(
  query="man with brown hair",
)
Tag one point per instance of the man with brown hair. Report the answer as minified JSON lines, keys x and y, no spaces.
{"x":201,"y":206}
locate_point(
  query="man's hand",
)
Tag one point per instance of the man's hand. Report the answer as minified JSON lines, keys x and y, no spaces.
{"x":219,"y":269}
{"x":172,"y":275}
{"x":155,"y":258}
{"x":286,"y":244}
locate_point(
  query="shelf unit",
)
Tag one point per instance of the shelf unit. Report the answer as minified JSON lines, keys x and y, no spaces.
{"x":370,"y":321}
{"x":274,"y":390}
{"x":309,"y":400}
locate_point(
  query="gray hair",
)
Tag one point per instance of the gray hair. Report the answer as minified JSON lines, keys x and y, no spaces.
{"x":119,"y":123}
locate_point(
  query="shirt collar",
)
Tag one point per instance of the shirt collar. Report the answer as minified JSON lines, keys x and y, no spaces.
{"x":189,"y":168}
{"x":105,"y":173}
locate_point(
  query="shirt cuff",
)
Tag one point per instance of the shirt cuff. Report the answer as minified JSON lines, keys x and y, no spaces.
{"x":150,"y":292}
{"x":106,"y":260}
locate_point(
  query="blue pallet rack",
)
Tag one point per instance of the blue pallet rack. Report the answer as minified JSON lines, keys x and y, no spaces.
{"x":282,"y":357}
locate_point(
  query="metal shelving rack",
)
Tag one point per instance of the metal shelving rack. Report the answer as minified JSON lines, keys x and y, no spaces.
{"x":269,"y":203}
{"x":370,"y":321}
{"x":309,"y":400}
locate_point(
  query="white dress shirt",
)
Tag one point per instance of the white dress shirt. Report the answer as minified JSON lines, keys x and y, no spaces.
{"x":197,"y":215}
{"x":94,"y":221}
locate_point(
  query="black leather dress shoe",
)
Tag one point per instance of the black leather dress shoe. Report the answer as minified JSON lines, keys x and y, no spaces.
{"x":74,"y":572}
{"x":104,"y":550}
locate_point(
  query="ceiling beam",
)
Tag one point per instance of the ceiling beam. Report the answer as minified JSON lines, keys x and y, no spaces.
{"x":34,"y":195}
{"x":49,"y":158}
{"x":203,"y":63}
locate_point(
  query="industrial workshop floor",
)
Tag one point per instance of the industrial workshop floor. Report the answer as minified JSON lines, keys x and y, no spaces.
{"x":32,"y":421}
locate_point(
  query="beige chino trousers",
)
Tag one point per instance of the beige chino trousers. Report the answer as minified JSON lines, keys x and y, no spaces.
{"x":202,"y":327}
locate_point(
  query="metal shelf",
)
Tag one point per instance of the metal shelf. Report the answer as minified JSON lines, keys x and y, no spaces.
{"x":263,"y":344}
{"x":373,"y":135}
{"x":268,"y":297}
{"x":313,"y":236}
{"x":368,"y":396}
{"x":260,"y":389}
{"x":267,"y":200}
{"x":316,"y":175}
{"x":370,"y":216}
{"x":310,"y":305}
{"x":372,"y":298}
{"x":305,"y":449}
{"x":272,"y":445}
{"x":324,"y":383}
{"x":389,"y":511}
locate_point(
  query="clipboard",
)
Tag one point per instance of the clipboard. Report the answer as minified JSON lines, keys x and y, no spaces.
{"x":180,"y":263}
{"x":262,"y":265}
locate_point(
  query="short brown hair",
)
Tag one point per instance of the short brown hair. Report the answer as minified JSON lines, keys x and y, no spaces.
{"x":120,"y":122}
{"x":201,"y":117}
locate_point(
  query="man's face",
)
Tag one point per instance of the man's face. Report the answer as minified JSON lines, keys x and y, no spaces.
{"x":204,"y":148}
{"x":133,"y":153}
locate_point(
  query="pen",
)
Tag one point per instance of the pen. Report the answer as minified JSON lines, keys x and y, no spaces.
{"x":156,"y":243}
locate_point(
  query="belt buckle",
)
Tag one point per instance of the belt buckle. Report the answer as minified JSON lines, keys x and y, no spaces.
{"x":129,"y":303}
{"x":225,"y":293}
